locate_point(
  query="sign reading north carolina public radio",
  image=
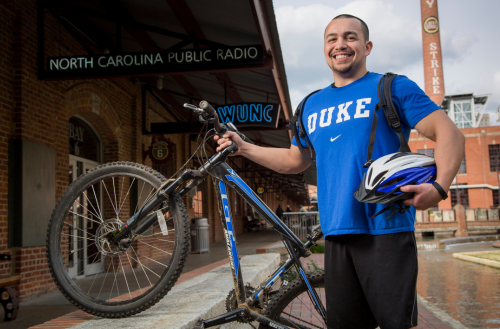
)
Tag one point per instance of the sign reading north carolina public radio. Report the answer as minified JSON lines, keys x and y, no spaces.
{"x":205,"y":59}
{"x":250,"y":114}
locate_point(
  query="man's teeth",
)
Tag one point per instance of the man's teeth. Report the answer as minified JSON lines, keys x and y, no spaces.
{"x":341,"y":56}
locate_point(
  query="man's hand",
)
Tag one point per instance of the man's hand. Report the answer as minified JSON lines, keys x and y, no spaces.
{"x":229,"y":138}
{"x":425,"y":196}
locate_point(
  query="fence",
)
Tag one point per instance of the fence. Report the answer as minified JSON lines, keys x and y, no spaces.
{"x":301,"y":223}
{"x":448,"y":215}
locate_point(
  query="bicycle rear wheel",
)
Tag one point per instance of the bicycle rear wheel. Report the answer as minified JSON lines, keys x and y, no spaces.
{"x":93,"y":274}
{"x":292,"y":306}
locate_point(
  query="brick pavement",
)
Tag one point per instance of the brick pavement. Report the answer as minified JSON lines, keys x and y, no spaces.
{"x":75,"y":318}
{"x":301,"y":307}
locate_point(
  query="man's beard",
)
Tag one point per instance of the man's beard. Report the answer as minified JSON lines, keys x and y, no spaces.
{"x":343,"y":70}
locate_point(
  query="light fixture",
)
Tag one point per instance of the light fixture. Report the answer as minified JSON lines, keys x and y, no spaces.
{"x":159,"y":82}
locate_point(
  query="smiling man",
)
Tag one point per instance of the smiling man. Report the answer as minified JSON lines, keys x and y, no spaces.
{"x":370,"y":262}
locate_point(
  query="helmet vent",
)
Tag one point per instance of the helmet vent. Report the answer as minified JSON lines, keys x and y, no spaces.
{"x":379,"y":177}
{"x":392,"y":181}
{"x":370,"y":174}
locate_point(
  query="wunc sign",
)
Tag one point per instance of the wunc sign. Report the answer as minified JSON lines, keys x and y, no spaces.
{"x":154,"y":62}
{"x":250,"y":114}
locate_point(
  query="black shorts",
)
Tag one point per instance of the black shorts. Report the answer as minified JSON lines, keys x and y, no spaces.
{"x":371,"y":280}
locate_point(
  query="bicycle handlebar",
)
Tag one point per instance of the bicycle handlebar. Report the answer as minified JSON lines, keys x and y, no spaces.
{"x":208,"y":108}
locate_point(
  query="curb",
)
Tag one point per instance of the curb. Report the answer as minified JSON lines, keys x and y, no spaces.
{"x":198,"y":294}
{"x":201,"y":297}
{"x":470,"y":239}
{"x":440,"y":314}
{"x":482,"y":261}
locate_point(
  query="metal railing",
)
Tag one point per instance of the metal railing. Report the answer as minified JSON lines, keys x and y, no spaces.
{"x":301,"y":223}
{"x":448,"y":215}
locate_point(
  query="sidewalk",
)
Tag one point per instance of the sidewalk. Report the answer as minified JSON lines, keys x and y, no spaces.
{"x":197,"y":265}
{"x":54,"y":305}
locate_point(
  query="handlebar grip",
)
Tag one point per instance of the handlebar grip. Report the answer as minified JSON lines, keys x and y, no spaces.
{"x":207,"y":108}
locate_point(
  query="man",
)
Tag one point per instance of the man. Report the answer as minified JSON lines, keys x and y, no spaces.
{"x":279,"y":212}
{"x":370,"y":263}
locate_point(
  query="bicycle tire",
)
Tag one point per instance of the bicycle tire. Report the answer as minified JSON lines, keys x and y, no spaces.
{"x":292,"y":307}
{"x":64,"y":233}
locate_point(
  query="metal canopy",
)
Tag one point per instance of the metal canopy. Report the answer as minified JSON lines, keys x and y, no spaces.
{"x":128,"y":26}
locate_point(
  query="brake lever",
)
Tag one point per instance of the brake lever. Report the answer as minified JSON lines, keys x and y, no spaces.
{"x":233,"y":128}
{"x":194,"y":108}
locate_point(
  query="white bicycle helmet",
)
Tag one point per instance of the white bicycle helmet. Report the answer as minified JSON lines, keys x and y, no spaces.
{"x":385,"y":176}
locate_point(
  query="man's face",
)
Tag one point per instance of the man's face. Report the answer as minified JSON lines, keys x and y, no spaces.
{"x":345,"y":46}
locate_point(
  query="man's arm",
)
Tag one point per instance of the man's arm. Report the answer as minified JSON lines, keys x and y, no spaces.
{"x":449,"y":151}
{"x":284,"y":161}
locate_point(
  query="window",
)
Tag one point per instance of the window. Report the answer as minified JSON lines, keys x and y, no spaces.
{"x":494,"y":151}
{"x":429,"y":152}
{"x":83,"y":141}
{"x":463,"y":194}
{"x":463,"y":113}
{"x":495,"y":198}
{"x":463,"y":167}
{"x":198,"y":203}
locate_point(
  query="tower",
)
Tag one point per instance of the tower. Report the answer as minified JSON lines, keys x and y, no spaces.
{"x":431,"y":45}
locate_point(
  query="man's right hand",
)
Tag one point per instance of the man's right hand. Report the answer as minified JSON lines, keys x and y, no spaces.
{"x":229,"y":138}
{"x":282,"y":160}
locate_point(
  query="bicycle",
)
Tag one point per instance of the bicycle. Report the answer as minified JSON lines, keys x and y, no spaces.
{"x":113,"y":258}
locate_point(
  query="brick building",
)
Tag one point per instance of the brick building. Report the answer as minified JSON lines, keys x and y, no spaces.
{"x":477,"y":179}
{"x":86,"y":119}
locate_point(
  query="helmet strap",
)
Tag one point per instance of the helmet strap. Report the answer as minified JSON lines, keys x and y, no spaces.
{"x":394,"y":207}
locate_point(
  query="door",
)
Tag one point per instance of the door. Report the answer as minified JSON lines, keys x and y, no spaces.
{"x":84,"y":257}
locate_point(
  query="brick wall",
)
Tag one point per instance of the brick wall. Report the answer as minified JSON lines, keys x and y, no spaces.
{"x":38,"y":111}
{"x":477,"y":163}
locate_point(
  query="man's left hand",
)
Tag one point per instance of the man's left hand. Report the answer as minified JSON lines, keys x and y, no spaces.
{"x":425,"y":196}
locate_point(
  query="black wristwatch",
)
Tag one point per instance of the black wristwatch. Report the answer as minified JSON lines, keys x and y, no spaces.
{"x":438,"y":187}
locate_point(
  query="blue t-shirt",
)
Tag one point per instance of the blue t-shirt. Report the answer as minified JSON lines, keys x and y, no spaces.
{"x":338,"y":123}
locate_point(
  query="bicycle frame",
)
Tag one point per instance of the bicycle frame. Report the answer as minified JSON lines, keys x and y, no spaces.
{"x":226,"y":177}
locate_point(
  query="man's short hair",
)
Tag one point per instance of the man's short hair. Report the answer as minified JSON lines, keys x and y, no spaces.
{"x":364,"y":27}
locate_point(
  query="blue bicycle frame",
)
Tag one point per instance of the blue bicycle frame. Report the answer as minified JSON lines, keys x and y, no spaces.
{"x":225,"y":177}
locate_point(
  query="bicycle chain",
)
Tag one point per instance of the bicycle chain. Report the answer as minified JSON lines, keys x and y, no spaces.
{"x":232,"y":303}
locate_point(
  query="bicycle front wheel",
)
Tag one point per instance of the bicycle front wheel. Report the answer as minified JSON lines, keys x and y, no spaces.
{"x":292,"y":306}
{"x":98,"y":277}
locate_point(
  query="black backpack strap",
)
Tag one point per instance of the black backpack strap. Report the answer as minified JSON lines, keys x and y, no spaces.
{"x":297,"y":118}
{"x":391,"y":114}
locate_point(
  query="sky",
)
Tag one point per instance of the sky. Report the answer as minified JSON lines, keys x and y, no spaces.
{"x":470,"y":42}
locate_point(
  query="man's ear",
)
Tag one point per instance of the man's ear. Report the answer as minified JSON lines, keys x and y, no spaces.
{"x":368,"y":48}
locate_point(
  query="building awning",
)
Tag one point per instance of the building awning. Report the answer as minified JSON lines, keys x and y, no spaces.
{"x":117,"y":28}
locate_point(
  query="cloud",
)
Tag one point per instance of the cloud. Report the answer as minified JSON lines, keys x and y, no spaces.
{"x":396,"y":35}
{"x":397,"y":42}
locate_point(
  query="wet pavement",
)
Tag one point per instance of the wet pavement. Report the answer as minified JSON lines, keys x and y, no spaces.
{"x":468,"y":292}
